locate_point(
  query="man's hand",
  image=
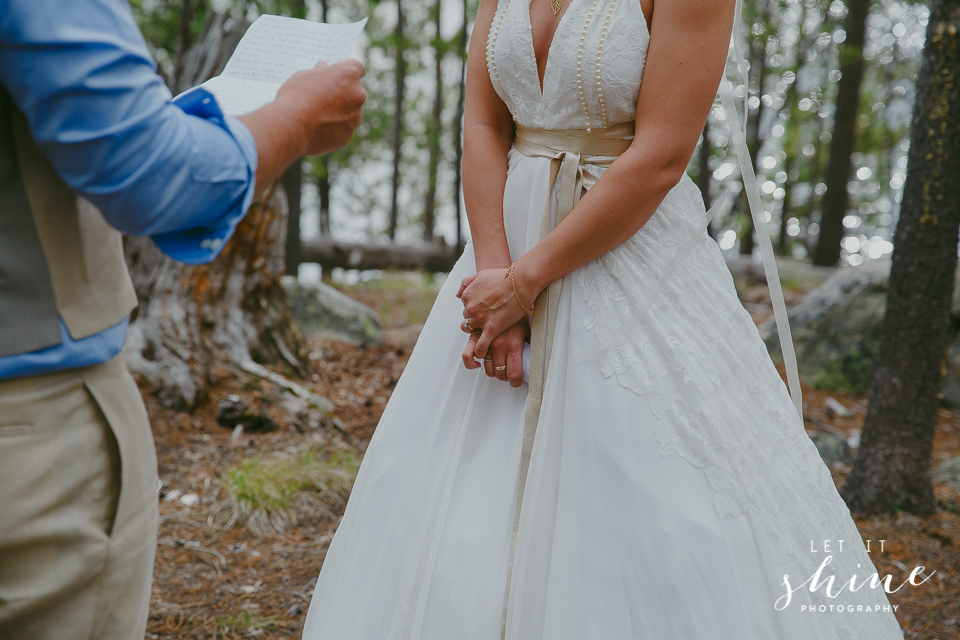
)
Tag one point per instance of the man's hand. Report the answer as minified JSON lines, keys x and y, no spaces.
{"x":327,"y":99}
{"x":316,"y":111}
{"x":506,"y":350}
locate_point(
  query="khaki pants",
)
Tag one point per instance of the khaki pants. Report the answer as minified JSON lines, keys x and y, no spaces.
{"x":78,"y":506}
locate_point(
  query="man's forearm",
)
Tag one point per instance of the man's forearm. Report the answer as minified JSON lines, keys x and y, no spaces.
{"x":102,"y":117}
{"x":280,"y":140}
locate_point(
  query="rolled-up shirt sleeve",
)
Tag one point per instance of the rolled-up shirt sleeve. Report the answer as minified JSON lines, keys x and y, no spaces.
{"x":178,"y":171}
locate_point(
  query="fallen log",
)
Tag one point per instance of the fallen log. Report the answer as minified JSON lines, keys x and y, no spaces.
{"x":330,"y":253}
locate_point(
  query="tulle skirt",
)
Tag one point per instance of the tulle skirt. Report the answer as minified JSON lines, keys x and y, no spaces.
{"x":670,"y":488}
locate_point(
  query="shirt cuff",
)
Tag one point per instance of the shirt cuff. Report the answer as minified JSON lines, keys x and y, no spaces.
{"x":200,"y":245}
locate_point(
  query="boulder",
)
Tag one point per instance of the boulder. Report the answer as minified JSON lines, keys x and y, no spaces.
{"x":951,"y":379}
{"x":793,"y":272}
{"x":323,"y":311}
{"x":948,"y":472}
{"x":836,"y":330}
{"x":836,"y":327}
{"x":232,"y":412}
{"x":833,"y":448}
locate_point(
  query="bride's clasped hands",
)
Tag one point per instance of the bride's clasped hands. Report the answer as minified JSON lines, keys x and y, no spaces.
{"x":497,"y":305}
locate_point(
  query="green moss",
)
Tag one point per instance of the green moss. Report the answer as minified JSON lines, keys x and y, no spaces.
{"x":245,"y":621}
{"x":262,"y":493}
{"x":398,"y":281}
{"x":403,"y":297}
{"x":850,"y":374}
{"x":370,"y":327}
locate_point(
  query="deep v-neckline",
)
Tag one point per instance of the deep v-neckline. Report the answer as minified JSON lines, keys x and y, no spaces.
{"x":533,"y":48}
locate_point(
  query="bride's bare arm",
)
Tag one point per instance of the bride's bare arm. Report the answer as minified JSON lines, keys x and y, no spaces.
{"x":487,"y":137}
{"x":684,"y":66}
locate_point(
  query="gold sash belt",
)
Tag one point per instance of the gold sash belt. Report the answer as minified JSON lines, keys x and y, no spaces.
{"x":568,"y":150}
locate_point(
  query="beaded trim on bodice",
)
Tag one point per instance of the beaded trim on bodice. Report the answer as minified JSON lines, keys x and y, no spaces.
{"x":593,"y":70}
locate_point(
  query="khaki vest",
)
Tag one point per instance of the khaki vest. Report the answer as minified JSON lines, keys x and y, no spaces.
{"x":58,"y":256}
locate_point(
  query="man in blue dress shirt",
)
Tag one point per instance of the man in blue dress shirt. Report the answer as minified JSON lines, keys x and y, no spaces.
{"x":91,"y":145}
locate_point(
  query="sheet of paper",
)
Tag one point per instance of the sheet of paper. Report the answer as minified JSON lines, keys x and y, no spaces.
{"x":272,"y":50}
{"x":237,"y":97}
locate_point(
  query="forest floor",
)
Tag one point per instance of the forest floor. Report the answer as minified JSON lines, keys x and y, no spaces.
{"x":224,"y":569}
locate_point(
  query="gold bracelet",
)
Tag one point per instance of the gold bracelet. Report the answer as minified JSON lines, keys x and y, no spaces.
{"x":513,"y":279}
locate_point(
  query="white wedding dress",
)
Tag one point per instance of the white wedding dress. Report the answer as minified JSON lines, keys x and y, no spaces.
{"x":671,"y":483}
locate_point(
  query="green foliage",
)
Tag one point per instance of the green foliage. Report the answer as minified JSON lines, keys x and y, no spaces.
{"x":247,"y":622}
{"x":168,"y":39}
{"x":851,"y":374}
{"x":802,"y":57}
{"x":801,"y":44}
{"x":293,"y":8}
{"x":264,"y":492}
{"x":401,"y":297}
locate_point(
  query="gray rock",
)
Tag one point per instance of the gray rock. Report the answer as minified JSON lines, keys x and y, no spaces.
{"x":948,"y":472}
{"x":833,"y":448}
{"x":951,"y":380}
{"x":836,"y":327}
{"x":232,"y":412}
{"x":853,"y":440}
{"x":836,"y":409}
{"x":323,"y":311}
{"x":836,"y":330}
{"x":791,"y":270}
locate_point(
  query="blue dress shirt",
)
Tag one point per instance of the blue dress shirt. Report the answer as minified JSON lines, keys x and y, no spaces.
{"x":178,"y":171}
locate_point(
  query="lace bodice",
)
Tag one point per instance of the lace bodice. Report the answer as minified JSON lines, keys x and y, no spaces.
{"x":608,"y":37}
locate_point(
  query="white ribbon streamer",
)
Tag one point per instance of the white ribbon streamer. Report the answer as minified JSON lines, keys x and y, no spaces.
{"x":759,"y":222}
{"x":766,"y":252}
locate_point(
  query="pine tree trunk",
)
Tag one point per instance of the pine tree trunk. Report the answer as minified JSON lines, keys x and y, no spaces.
{"x":323,"y":195}
{"x":400,"y":82}
{"x":893,"y":464}
{"x":786,"y":208}
{"x":434,"y":131}
{"x":293,"y":186}
{"x":793,"y":128}
{"x":703,"y":177}
{"x":210,"y":51}
{"x":323,"y":180}
{"x":188,"y":10}
{"x":458,"y":123}
{"x":790,"y":104}
{"x":758,"y":59}
{"x":836,"y":199}
{"x":195,"y":324}
{"x":810,"y":206}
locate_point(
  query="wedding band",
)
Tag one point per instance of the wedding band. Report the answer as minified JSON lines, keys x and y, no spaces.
{"x":488,"y":359}
{"x":500,"y":368}
{"x":466,"y":323}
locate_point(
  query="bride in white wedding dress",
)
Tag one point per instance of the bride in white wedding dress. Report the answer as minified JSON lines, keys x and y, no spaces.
{"x":653,"y":480}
